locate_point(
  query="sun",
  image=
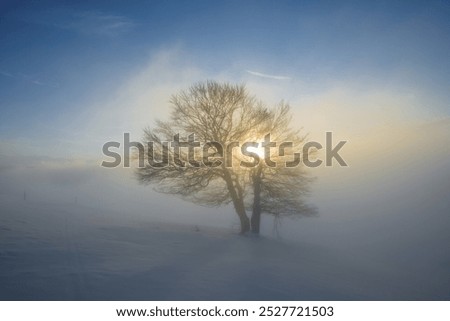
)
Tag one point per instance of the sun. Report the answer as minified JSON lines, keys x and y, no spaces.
{"x":257,"y":150}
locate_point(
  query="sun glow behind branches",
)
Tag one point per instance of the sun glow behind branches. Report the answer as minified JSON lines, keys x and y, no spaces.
{"x":257,"y":150}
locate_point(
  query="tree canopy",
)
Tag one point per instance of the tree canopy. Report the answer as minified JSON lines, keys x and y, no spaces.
{"x":230,"y":166}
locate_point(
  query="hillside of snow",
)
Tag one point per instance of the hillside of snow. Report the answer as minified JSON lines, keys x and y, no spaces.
{"x":71,"y":252}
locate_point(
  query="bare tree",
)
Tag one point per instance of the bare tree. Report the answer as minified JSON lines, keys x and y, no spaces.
{"x":280,"y":184}
{"x":222,"y":115}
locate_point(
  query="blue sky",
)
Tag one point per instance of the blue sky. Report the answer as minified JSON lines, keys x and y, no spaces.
{"x":59,"y":59}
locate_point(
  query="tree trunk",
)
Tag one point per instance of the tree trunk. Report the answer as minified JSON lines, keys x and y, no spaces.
{"x":245,"y":223}
{"x":238,"y":203}
{"x":256,"y":212}
{"x":240,"y":211}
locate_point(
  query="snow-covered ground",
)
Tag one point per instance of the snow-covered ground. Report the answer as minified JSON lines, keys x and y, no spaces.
{"x":72,"y":252}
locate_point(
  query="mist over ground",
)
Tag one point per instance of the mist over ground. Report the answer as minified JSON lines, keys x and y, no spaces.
{"x":377,"y":239}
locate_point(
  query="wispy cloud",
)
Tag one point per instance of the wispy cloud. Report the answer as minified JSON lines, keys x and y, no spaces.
{"x":6,"y":74}
{"x":97,"y":24}
{"x":28,"y":78}
{"x":85,"y":22}
{"x":259,"y":74}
